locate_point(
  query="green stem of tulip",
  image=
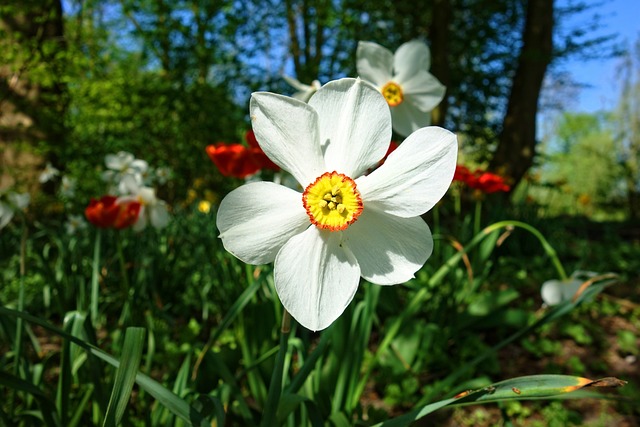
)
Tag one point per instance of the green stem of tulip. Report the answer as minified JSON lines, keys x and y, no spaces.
{"x":95,"y":279}
{"x":476,"y":217}
{"x":126,"y":309}
{"x":275,"y":387}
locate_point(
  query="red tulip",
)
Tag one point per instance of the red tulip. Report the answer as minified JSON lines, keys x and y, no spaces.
{"x":238,"y":160}
{"x":108,"y":212}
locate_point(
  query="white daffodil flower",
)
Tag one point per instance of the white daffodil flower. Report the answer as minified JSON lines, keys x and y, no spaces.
{"x":152,"y":209}
{"x":410,"y":90}
{"x":304,"y":92}
{"x":48,"y":173}
{"x":163,"y":175}
{"x":124,"y":166}
{"x":345,"y":225}
{"x":13,"y":202}
{"x":554,"y":292}
{"x":75,"y":223}
{"x":68,"y":187}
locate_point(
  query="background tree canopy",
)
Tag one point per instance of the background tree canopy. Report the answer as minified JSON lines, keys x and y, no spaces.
{"x":164,"y":79}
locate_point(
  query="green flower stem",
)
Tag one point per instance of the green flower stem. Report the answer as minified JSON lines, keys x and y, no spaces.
{"x":416,"y":302}
{"x":275,"y":387}
{"x":126,"y":310}
{"x":95,"y":279}
{"x":476,"y":216}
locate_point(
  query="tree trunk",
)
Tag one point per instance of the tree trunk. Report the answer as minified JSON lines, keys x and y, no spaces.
{"x":32,"y":90}
{"x":439,"y":34}
{"x":517,"y":141}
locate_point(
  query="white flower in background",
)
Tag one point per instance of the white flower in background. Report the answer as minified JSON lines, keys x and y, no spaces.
{"x":152,"y":209}
{"x":68,"y":187}
{"x":13,"y":202}
{"x":304,"y":92}
{"x":163,"y":175}
{"x":124,"y":166}
{"x":556,"y":291}
{"x":345,"y":225}
{"x":75,"y":223}
{"x":410,"y":90}
{"x":48,"y":173}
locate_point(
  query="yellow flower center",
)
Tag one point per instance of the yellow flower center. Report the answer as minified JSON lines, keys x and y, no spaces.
{"x":392,"y":92}
{"x":332,"y":201}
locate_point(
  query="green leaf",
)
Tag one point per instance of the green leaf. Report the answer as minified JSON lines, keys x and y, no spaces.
{"x":47,"y":408}
{"x":167,"y":398}
{"x":528,"y":387}
{"x":125,"y":375}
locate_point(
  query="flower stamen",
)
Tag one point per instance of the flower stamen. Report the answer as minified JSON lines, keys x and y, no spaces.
{"x":332,"y":201}
{"x":392,"y":92}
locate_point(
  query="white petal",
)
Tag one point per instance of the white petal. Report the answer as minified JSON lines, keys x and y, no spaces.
{"x":374,"y":63}
{"x":354,"y":123}
{"x":19,"y":200}
{"x":140,"y":166}
{"x":424,"y":91}
{"x":556,"y":291}
{"x":256,"y":219}
{"x":415,"y":176}
{"x":315,"y":277}
{"x":287,"y":131}
{"x":118,"y":161}
{"x":407,"y":118}
{"x":6,"y":213}
{"x":141,"y":222}
{"x":389,"y":249}
{"x":410,"y":58}
{"x":159,"y":215}
{"x":295,"y":83}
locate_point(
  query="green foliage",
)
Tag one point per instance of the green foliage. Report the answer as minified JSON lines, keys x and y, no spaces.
{"x":582,"y":174}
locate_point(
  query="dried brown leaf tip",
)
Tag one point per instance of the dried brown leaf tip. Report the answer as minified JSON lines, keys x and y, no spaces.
{"x":607,"y":382}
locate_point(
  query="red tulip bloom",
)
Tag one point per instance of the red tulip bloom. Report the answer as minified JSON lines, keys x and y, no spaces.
{"x":258,"y":155}
{"x":488,"y":182}
{"x":485,"y":182}
{"x":238,"y":160}
{"x":108,"y":212}
{"x":463,"y":174}
{"x":233,"y":159}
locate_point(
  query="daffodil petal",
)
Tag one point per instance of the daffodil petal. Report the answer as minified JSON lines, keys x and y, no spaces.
{"x":158,"y":215}
{"x":407,"y":118}
{"x":354,"y":123}
{"x":410,"y":58}
{"x":424,"y":91}
{"x":415,"y":176}
{"x":374,"y":63}
{"x":315,"y":277}
{"x":389,"y":249}
{"x":287,"y":131}
{"x":255,"y":220}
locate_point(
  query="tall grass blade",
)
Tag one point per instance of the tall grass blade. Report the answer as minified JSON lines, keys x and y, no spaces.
{"x":125,"y":375}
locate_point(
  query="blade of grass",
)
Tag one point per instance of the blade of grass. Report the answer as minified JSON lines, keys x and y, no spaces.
{"x":167,"y":398}
{"x":275,"y":387}
{"x":556,"y":312}
{"x":417,"y":301}
{"x":125,"y":375}
{"x":65,"y":377}
{"x":47,"y":408}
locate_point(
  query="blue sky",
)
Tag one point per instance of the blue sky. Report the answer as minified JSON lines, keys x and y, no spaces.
{"x":618,"y":16}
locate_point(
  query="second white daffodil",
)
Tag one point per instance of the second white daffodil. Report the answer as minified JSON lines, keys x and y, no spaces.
{"x":346,"y":224}
{"x":402,"y":78}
